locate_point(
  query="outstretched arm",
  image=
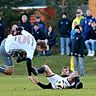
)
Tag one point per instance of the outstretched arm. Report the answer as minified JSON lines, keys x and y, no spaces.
{"x":36,"y":81}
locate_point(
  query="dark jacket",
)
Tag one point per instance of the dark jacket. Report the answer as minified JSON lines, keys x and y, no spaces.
{"x":1,"y":31}
{"x":92,"y":34}
{"x":27,"y":26}
{"x":77,"y":45}
{"x":39,"y":34}
{"x":51,"y":39}
{"x":64,"y":27}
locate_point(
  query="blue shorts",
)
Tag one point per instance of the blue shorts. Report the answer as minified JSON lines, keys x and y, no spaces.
{"x":7,"y":59}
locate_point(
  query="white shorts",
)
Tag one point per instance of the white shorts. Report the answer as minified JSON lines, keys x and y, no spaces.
{"x":53,"y":79}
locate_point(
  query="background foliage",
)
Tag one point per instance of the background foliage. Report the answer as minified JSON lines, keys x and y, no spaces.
{"x":69,"y":6}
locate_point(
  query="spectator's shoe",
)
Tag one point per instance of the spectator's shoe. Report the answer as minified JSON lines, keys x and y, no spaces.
{"x":34,"y":71}
{"x":79,"y":85}
{"x":88,"y":54}
{"x":92,"y":54}
{"x":62,"y":53}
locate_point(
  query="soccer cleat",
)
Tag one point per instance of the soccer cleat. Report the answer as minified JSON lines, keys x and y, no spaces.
{"x":34,"y":71}
{"x":79,"y":85}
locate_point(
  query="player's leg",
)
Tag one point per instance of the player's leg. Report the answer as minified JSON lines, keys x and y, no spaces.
{"x":7,"y":68}
{"x":74,"y":77}
{"x":8,"y":65}
{"x":46,"y":70}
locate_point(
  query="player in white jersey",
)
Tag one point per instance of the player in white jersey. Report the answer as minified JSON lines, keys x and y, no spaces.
{"x":19,"y":41}
{"x":58,"y":82}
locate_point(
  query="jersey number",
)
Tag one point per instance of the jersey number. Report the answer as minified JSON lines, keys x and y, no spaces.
{"x":24,"y":39}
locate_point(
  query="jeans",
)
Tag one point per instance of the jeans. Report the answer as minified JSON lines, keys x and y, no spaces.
{"x":90,"y":44}
{"x":63,"y":41}
{"x":79,"y":65}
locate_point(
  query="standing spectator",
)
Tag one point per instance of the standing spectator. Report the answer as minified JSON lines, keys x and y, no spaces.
{"x":1,"y":30}
{"x":78,"y":18}
{"x":90,"y":43}
{"x":86,"y":23}
{"x":64,"y":29}
{"x":25,"y":23}
{"x":77,"y":47}
{"x":51,"y":37}
{"x":41,"y":23}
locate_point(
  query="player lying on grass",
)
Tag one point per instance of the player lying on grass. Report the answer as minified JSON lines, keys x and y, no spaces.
{"x":66,"y":80}
{"x":19,"y":42}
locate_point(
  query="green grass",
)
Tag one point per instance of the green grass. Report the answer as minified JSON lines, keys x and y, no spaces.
{"x":19,"y":85}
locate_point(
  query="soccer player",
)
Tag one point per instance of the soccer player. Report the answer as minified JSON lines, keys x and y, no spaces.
{"x":72,"y":80}
{"x":17,"y":41}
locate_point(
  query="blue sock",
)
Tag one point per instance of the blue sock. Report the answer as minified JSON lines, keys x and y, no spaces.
{"x":2,"y":69}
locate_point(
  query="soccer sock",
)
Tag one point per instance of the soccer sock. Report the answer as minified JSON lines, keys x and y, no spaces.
{"x":28,"y":66}
{"x":41,"y":70}
{"x":2,"y":69}
{"x":77,"y":79}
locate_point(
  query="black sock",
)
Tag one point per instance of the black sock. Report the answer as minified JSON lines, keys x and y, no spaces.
{"x":41,"y":70}
{"x":28,"y":64}
{"x":77,"y":79}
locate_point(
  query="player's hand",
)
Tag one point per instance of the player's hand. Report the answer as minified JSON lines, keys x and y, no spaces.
{"x":33,"y":79}
{"x":30,"y":78}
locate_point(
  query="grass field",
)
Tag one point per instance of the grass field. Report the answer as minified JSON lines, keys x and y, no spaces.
{"x":19,"y":85}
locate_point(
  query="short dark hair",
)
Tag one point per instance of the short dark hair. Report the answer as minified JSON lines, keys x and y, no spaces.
{"x":63,"y":13}
{"x":42,"y":44}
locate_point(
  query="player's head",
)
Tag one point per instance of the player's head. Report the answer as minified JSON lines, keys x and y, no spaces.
{"x":16,"y":30}
{"x":65,"y":71}
{"x":78,"y":28}
{"x":13,"y":30}
{"x":41,"y":46}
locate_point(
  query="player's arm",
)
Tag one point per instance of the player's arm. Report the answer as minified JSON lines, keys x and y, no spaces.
{"x":36,"y":81}
{"x":49,"y":86}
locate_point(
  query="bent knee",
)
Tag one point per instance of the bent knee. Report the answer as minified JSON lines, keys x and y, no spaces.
{"x":45,"y":66}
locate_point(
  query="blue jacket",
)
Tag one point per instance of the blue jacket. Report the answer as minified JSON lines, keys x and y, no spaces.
{"x":72,"y":34}
{"x":85,"y":23}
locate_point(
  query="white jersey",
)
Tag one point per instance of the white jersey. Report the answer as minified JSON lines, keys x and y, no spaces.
{"x":24,"y":42}
{"x":53,"y":80}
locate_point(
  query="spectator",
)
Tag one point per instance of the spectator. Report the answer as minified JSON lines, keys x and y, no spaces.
{"x":77,"y":47}
{"x":51,"y":37}
{"x":90,"y":43}
{"x":41,"y":23}
{"x":25,"y":23}
{"x":86,"y":23}
{"x":64,"y":29}
{"x":72,"y":33}
{"x":78,"y":18}
{"x":1,"y":30}
{"x":39,"y":35}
